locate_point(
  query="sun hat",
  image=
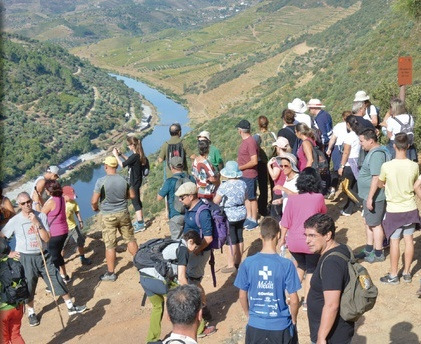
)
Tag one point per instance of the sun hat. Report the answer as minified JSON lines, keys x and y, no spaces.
{"x":298,"y":105}
{"x":281,"y":142}
{"x":243,"y":124}
{"x":188,"y":188}
{"x":111,"y":161}
{"x":177,"y":162}
{"x":53,"y":170}
{"x":292,"y":160}
{"x":231,"y":170}
{"x":361,"y":96}
{"x":69,"y":192}
{"x":204,"y":133}
{"x":315,"y":103}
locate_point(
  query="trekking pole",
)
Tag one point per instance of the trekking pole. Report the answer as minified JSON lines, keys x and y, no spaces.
{"x":165,"y":178}
{"x":49,"y":278}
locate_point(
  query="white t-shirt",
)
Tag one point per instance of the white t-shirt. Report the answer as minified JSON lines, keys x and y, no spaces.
{"x":373,"y":112}
{"x":353,"y":140}
{"x":339,"y":130}
{"x":290,"y":185}
{"x":303,"y":118}
{"x":394,"y":127}
{"x":175,"y":336}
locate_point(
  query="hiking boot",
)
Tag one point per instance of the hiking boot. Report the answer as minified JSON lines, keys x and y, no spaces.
{"x":387,"y":279}
{"x":139,"y":226}
{"x":108,"y":277}
{"x":77,"y":309}
{"x":363,"y":253}
{"x":372,"y":258}
{"x":407,"y":278}
{"x":33,"y":320}
{"x":85,"y":261}
{"x":209,"y":330}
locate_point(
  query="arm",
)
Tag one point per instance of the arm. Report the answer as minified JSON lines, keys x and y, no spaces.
{"x":117,"y":156}
{"x":380,"y":184}
{"x":44,"y":235}
{"x":283,"y":235}
{"x":375,"y":119}
{"x":130,"y":193}
{"x":181,"y":273}
{"x":345,"y":156}
{"x":244,"y":302}
{"x":417,"y":187}
{"x":95,"y":201}
{"x":217,"y":199}
{"x":332,"y":142}
{"x":39,"y":188}
{"x":330,"y":311}
{"x":79,"y":218}
{"x":48,"y":206}
{"x":205,"y":243}
{"x":274,"y":171}
{"x":373,"y":189}
{"x":293,"y":307}
{"x":252,"y":163}
{"x":308,"y":151}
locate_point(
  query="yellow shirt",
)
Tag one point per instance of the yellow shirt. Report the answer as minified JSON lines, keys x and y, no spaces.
{"x":399,"y":176}
{"x":71,"y":208}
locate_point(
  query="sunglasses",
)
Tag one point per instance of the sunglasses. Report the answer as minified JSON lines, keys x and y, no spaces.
{"x":181,"y":198}
{"x":26,"y":202}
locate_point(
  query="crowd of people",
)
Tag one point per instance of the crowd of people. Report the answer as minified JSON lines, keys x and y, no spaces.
{"x":278,"y":183}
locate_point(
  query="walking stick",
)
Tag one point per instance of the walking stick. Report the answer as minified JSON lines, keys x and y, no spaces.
{"x":164,"y":163}
{"x":49,"y":278}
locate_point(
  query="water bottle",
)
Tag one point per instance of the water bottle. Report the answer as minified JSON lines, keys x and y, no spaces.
{"x":283,"y":251}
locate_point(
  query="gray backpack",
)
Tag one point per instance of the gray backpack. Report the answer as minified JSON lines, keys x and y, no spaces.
{"x":407,"y":128}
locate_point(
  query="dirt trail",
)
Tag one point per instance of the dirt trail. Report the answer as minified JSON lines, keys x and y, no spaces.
{"x":116,"y":314}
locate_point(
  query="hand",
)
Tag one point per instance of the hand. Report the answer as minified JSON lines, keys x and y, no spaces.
{"x":81,"y":224}
{"x":369,"y":204}
{"x":115,"y":152}
{"x":328,"y":152}
{"x":341,"y":171}
{"x":34,"y":219}
{"x":14,"y":254}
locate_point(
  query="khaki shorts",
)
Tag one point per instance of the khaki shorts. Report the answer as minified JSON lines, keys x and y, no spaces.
{"x":116,"y":222}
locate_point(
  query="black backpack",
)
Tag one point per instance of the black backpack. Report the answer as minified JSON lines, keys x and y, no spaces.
{"x":320,"y":162}
{"x":149,"y":255}
{"x":14,"y":289}
{"x":175,"y":149}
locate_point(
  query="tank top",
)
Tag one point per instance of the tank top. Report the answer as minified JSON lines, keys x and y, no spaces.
{"x":57,"y":217}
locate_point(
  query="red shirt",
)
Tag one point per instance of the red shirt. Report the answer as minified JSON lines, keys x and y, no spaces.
{"x":247,"y":149}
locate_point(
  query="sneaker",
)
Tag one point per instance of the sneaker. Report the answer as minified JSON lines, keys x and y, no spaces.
{"x":331,"y":194}
{"x":363,"y":253}
{"x":85,"y":261}
{"x":47,"y":290}
{"x":372,"y":258}
{"x":344,"y":214}
{"x":387,"y":279}
{"x":246,"y":223}
{"x":77,"y":309}
{"x":385,"y":243}
{"x":252,"y":225}
{"x":139,"y":226}
{"x":304,"y":306}
{"x":407,"y":278}
{"x":33,"y":320}
{"x":108,"y":277}
{"x":66,"y":279}
{"x":209,"y":330}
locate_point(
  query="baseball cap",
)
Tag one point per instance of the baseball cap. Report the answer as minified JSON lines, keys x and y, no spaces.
{"x":204,"y":133}
{"x":188,"y":188}
{"x":69,"y":192}
{"x":111,"y":161}
{"x":243,"y":124}
{"x":53,"y":170}
{"x":177,"y":162}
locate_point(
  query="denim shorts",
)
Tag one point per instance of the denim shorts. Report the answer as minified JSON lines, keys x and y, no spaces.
{"x":251,"y":184}
{"x":406,"y":230}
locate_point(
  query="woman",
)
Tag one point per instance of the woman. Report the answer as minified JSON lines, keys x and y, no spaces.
{"x":55,"y":209}
{"x":398,"y":118}
{"x":137,"y":163}
{"x":305,"y":151}
{"x":348,"y":168}
{"x":232,"y":196}
{"x":207,"y":179}
{"x":288,"y":163}
{"x":308,"y":202}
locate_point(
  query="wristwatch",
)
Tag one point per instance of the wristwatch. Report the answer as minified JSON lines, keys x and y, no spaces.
{"x":342,"y":166}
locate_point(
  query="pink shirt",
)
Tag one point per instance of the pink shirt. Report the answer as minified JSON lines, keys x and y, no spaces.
{"x":57,"y":218}
{"x":302,"y":159}
{"x":247,"y":149}
{"x":298,"y":209}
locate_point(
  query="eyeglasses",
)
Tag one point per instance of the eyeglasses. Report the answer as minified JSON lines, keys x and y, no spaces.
{"x":26,"y":202}
{"x":181,"y":198}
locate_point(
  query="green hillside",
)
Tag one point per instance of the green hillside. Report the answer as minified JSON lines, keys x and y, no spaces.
{"x":54,"y":104}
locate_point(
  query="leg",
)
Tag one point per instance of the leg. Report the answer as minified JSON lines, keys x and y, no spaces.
{"x":16,"y":337}
{"x":409,"y":253}
{"x":378,"y":237}
{"x":127,"y":232}
{"x":253,"y":208}
{"x":154,"y":332}
{"x":110,"y":257}
{"x":132,"y":247}
{"x":370,"y":236}
{"x":394,"y":256}
{"x":137,"y":203}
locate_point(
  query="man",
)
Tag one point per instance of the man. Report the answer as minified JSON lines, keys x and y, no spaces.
{"x":374,"y":201}
{"x":263,"y":280}
{"x":187,"y":194}
{"x":173,"y":147}
{"x":327,"y":284}
{"x":176,"y":217}
{"x":214,"y":156}
{"x":185,"y":313}
{"x":38,"y":190}
{"x":30,"y":228}
{"x":358,"y":110}
{"x":398,"y":177}
{"x":322,"y":120}
{"x":112,"y":192}
{"x":248,"y":153}
{"x":299,"y":107}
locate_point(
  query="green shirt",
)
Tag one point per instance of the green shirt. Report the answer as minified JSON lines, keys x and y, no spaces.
{"x":215,"y":157}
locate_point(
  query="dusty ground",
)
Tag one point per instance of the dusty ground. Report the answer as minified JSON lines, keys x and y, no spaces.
{"x":116,"y":314}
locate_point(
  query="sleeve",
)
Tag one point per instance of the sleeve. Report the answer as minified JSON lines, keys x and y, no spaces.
{"x":252,"y":148}
{"x":287,"y":216}
{"x":76,"y":207}
{"x":165,"y":190}
{"x":382,"y":175}
{"x":241,"y":281}
{"x":377,"y":159}
{"x":218,"y":156}
{"x":8,"y":229}
{"x":98,"y":185}
{"x":221,"y":190}
{"x":334,"y":273}
{"x":389,"y":124}
{"x":293,"y":283}
{"x":182,"y":255}
{"x":205,"y":220}
{"x":130,"y":160}
{"x":163,"y":151}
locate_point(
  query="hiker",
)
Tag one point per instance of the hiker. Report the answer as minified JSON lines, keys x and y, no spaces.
{"x":214,"y":155}
{"x":358,"y":110}
{"x":31,"y":228}
{"x":327,"y":284}
{"x":207,"y":179}
{"x":7,"y":211}
{"x":176,"y":209}
{"x":374,"y":200}
{"x":75,"y":234}
{"x":288,"y":163}
{"x":11,"y":314}
{"x":305,"y":150}
{"x":137,"y":164}
{"x":399,"y":118}
{"x":321,"y":120}
{"x":268,"y":274}
{"x":55,"y":209}
{"x":307,"y":202}
{"x":248,"y":153}
{"x":288,"y":131}
{"x":370,"y":111}
{"x":187,"y":194}
{"x":110,"y":195}
{"x":156,"y":286}
{"x":398,"y":177}
{"x":38,"y":189}
{"x":173,"y":147}
{"x":184,"y":312}
{"x":335,"y":150}
{"x":299,"y":107}
{"x":231,"y":195}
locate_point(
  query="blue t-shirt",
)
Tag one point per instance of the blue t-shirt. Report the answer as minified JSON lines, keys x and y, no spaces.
{"x":265,"y":277}
{"x":324,"y":123}
{"x":168,"y":190}
{"x":235,"y":192}
{"x":205,"y":220}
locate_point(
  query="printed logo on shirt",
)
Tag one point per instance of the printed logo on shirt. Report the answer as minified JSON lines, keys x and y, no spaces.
{"x":265,"y":284}
{"x":265,"y":273}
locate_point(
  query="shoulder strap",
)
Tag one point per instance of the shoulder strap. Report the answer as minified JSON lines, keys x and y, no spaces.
{"x":290,"y":129}
{"x":397,"y":120}
{"x":199,"y":210}
{"x":338,"y":254}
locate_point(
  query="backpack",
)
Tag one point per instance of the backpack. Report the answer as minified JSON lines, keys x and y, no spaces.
{"x":379,"y":120}
{"x":178,"y":206}
{"x":175,"y":149}
{"x":360,"y":294}
{"x":320,"y":162}
{"x":14,"y":289}
{"x":407,"y":129}
{"x":149,"y":255}
{"x":266,"y":146}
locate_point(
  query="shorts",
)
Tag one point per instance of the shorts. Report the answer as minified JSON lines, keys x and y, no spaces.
{"x":236,"y":232}
{"x":405,"y":230}
{"x":286,"y":336}
{"x":116,"y":222}
{"x":251,"y":184}
{"x":306,"y":261}
{"x":374,"y":217}
{"x":76,"y":236}
{"x":196,"y":266}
